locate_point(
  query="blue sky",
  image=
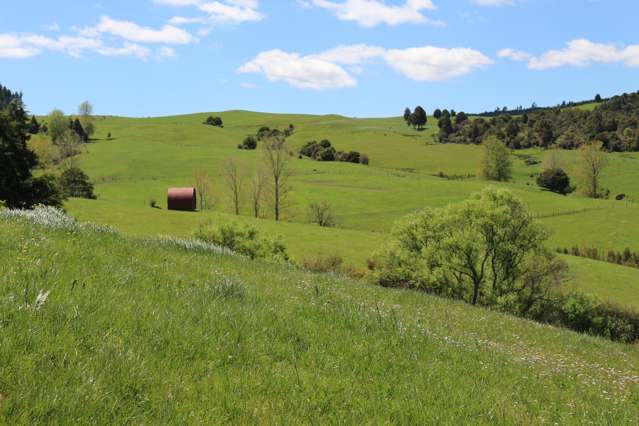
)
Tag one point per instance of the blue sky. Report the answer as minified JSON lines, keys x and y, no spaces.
{"x":352,"y":57}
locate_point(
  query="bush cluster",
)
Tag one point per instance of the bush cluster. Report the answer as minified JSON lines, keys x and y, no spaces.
{"x":214,"y":121}
{"x":555,"y":180}
{"x":243,"y":239}
{"x":625,"y":258}
{"x":324,"y":151}
{"x":249,"y":143}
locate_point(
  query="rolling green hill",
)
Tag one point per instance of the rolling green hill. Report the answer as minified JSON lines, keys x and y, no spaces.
{"x":100,"y":328}
{"x":149,"y":155}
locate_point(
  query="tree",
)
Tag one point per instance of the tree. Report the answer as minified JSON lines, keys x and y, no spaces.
{"x":495,"y":161}
{"x":590,"y":163}
{"x":419,"y":118}
{"x":487,"y":250}
{"x":18,"y":188}
{"x":407,"y":116}
{"x":77,"y":128}
{"x":555,"y":180}
{"x":75,"y":183}
{"x":275,"y":158}
{"x":34,"y":126}
{"x":214,"y":121}
{"x":258,"y":184}
{"x":234,"y":181}
{"x":553,"y":160}
{"x":249,"y":143}
{"x":203,"y":188}
{"x":322,"y":214}
{"x":598,"y":98}
{"x":460,"y":118}
{"x":58,"y":125}
{"x":445,"y":126}
{"x":85,"y":110}
{"x":437,"y":113}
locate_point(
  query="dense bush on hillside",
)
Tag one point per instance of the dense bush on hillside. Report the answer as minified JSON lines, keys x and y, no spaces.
{"x":75,"y":183}
{"x":615,"y":123}
{"x":488,"y":251}
{"x":214,"y":121}
{"x":249,"y":143}
{"x":324,"y":151}
{"x":555,"y":180}
{"x":243,"y":239}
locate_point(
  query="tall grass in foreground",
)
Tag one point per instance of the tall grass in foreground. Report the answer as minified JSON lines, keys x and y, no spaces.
{"x":147,"y":332}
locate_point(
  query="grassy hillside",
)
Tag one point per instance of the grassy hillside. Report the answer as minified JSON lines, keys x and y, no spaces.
{"x":149,"y":155}
{"x":145,"y":332}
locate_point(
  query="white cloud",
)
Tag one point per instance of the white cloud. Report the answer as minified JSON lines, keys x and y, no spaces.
{"x":224,"y":11}
{"x":578,"y":53}
{"x":430,"y":63}
{"x":493,"y":3}
{"x":249,"y":86}
{"x":515,"y":55}
{"x":28,"y":45}
{"x":351,"y":54}
{"x":131,"y":31}
{"x":370,"y":13}
{"x":324,"y":70}
{"x":303,"y":72}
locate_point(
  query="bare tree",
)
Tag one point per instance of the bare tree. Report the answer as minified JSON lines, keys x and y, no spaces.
{"x":257,"y":192}
{"x":203,"y":188}
{"x":591,"y":162}
{"x":234,"y":181}
{"x":322,"y":214}
{"x":85,"y":110}
{"x":276,"y":156}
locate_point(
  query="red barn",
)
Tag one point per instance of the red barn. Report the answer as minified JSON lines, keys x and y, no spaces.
{"x":184,"y":199}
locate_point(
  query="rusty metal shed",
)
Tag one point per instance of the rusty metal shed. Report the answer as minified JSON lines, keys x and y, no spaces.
{"x":184,"y":199}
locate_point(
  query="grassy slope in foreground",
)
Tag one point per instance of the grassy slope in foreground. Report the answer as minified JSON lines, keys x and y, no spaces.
{"x":139,"y":332}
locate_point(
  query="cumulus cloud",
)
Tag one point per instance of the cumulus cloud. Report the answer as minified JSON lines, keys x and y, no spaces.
{"x":324,"y":70}
{"x":578,"y":53}
{"x":514,"y":54}
{"x":224,"y":11}
{"x":131,"y":31}
{"x":493,"y":3}
{"x":430,"y":63}
{"x":370,"y":13}
{"x":27,"y":45}
{"x":303,"y":72}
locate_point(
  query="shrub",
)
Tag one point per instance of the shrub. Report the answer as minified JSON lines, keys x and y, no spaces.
{"x":249,"y":143}
{"x":487,"y":250}
{"x":243,"y":239}
{"x":75,"y":183}
{"x":214,"y":121}
{"x":322,"y":214}
{"x":555,"y":180}
{"x":363,"y":159}
{"x":153,"y":204}
{"x":323,"y":264}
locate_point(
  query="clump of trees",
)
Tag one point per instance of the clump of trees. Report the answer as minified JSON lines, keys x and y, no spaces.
{"x":417,"y":118}
{"x":265,"y":133}
{"x":614,"y":123}
{"x":324,"y":151}
{"x":213,"y":121}
{"x":18,"y":187}
{"x":495,"y":161}
{"x":243,"y":239}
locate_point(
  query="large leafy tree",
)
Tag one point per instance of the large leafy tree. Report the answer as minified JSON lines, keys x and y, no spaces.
{"x":419,"y":117}
{"x":486,"y":251}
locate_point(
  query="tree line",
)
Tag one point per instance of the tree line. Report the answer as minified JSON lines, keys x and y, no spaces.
{"x":614,"y":123}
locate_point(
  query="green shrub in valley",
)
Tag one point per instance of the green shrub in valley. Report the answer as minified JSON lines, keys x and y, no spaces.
{"x":486,"y":251}
{"x":555,"y":180}
{"x":249,"y":143}
{"x":75,"y":183}
{"x":495,"y":161}
{"x":243,"y":239}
